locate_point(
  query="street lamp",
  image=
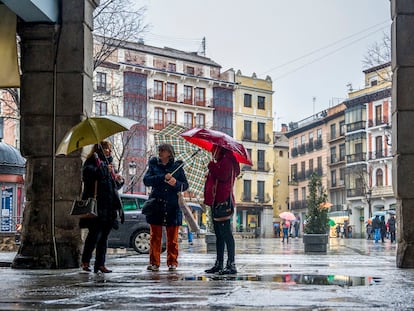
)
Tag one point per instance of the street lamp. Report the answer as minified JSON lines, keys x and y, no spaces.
{"x":369,"y":196}
{"x":132,"y":171}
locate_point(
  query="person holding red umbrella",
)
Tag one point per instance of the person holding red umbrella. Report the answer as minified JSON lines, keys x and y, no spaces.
{"x":223,"y":170}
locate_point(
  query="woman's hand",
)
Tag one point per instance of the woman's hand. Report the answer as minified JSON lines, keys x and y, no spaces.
{"x":172,"y":181}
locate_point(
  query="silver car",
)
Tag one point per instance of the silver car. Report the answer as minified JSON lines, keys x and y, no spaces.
{"x":135,"y":231}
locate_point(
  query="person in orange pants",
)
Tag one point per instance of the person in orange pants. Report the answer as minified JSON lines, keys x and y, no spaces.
{"x":166,"y":177}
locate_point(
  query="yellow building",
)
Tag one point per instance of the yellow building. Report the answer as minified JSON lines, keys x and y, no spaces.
{"x":253,"y":126}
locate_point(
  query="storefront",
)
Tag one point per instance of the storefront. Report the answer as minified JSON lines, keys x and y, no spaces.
{"x":12,"y":170}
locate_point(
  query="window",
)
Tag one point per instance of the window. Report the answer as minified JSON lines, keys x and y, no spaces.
{"x":247,"y":190}
{"x":101,"y":81}
{"x":200,"y":120}
{"x":190,"y":70}
{"x":302,"y":139}
{"x":302,"y":169}
{"x":188,"y":119}
{"x":260,"y":102}
{"x":260,"y":190}
{"x":171,"y":92}
{"x":158,"y":118}
{"x":333,"y":178}
{"x":247,"y":133}
{"x":280,"y":154}
{"x":303,"y":190}
{"x":342,"y":128}
{"x":261,"y":160}
{"x":319,"y":133}
{"x":310,"y":166}
{"x":294,"y":172}
{"x":247,"y":100}
{"x":172,"y":67}
{"x":379,"y":178}
{"x":333,"y":131}
{"x":158,"y":89}
{"x":333,"y":154}
{"x":342,"y":152}
{"x":295,"y":142}
{"x":296,"y":194}
{"x":170,"y":116}
{"x":378,"y":147}
{"x":200,"y":96}
{"x":101,"y":108}
{"x":378,"y":115}
{"x":310,"y":136}
{"x":319,"y":169}
{"x":260,"y":131}
{"x":188,"y":94}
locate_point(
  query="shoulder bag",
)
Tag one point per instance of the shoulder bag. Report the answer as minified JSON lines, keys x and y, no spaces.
{"x":223,"y":211}
{"x":86,"y":208}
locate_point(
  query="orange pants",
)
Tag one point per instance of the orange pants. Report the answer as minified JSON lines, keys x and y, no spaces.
{"x":172,"y":245}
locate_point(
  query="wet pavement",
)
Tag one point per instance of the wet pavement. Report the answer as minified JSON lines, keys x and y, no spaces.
{"x":355,"y":274}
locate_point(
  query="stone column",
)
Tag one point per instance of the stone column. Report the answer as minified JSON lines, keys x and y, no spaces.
{"x":402,"y":12}
{"x":56,"y":90}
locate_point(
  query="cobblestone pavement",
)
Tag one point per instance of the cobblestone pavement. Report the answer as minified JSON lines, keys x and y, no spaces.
{"x":355,"y":274}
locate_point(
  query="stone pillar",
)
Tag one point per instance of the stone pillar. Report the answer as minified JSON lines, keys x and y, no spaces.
{"x":402,"y":12}
{"x":56,"y":89}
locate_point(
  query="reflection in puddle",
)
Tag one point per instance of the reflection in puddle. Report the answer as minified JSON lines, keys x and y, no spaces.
{"x":307,"y":279}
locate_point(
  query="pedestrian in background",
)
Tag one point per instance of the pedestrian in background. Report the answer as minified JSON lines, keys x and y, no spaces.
{"x":222,"y":172}
{"x":285,"y":229}
{"x":391,"y":228}
{"x":376,"y":227}
{"x":99,"y":176}
{"x":383,"y":228}
{"x":165,"y":188}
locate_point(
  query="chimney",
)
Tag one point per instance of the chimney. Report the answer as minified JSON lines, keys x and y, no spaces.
{"x":284,"y":128}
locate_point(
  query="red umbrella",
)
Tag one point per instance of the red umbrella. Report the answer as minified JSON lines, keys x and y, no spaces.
{"x":206,"y":138}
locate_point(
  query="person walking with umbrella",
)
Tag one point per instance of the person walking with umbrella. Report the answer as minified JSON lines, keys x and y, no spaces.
{"x":223,"y":170}
{"x":167,"y":178}
{"x":100,"y":180}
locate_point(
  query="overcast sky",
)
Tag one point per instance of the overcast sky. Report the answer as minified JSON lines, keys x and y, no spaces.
{"x":312,"y":49}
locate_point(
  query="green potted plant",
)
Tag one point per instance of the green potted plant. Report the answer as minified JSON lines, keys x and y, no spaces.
{"x":316,"y":226}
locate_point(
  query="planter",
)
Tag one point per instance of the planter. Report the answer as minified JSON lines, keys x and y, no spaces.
{"x":210,"y":239}
{"x":315,"y":243}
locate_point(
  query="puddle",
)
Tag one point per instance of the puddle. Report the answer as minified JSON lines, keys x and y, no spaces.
{"x":304,"y":279}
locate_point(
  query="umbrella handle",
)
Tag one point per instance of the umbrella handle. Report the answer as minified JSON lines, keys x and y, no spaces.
{"x":181,"y":165}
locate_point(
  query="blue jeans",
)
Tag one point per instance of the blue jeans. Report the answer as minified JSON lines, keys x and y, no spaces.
{"x":377,"y":235}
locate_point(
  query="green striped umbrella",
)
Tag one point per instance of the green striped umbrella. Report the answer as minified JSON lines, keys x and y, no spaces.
{"x":195,"y":159}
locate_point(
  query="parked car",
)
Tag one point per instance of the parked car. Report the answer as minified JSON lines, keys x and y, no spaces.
{"x":135,"y":232}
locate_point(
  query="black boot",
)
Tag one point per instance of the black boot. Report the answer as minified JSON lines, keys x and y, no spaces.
{"x":230,"y":268}
{"x":217,"y":268}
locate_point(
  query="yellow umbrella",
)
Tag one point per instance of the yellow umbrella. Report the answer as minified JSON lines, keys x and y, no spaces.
{"x":91,"y":131}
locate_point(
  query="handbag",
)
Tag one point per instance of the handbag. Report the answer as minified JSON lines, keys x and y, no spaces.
{"x":153,"y":206}
{"x":224,"y":210}
{"x":86,"y":208}
{"x":188,"y":215}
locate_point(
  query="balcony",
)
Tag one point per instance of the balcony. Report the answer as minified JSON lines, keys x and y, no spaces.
{"x":294,"y":152}
{"x":302,"y":149}
{"x":378,"y":122}
{"x":263,"y":167}
{"x":355,"y":126}
{"x":310,"y":146}
{"x":299,"y":204}
{"x":380,"y":154}
{"x":318,"y":144}
{"x":357,"y":157}
{"x":357,"y":192}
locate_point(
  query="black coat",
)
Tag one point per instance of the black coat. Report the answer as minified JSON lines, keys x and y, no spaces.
{"x":108,"y":200}
{"x":171,"y":214}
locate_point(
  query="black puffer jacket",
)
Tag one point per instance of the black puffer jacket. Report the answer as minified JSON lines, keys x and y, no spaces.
{"x":154,"y":178}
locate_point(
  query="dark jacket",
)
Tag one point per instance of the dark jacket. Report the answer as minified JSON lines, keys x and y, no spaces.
{"x":171,"y":214}
{"x":109,"y":203}
{"x":391,"y":224}
{"x":376,"y":223}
